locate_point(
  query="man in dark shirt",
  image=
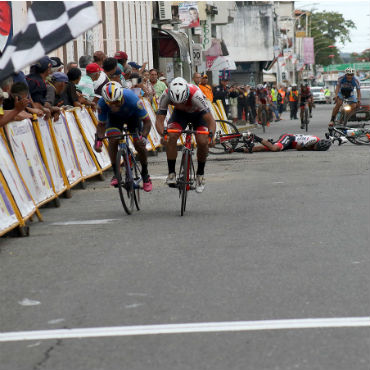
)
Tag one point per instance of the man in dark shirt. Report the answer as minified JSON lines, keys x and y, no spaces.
{"x":221,"y":92}
{"x":37,"y":85}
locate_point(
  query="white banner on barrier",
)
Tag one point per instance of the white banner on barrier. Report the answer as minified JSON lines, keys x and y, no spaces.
{"x":86,"y":162}
{"x":28,"y":157}
{"x":51,"y":156}
{"x":7,"y":214}
{"x":153,"y":132}
{"x":14,"y":181}
{"x":66,"y":150}
{"x":90,"y":130}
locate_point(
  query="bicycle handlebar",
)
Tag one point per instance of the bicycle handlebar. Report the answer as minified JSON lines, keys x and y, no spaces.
{"x":188,"y":132}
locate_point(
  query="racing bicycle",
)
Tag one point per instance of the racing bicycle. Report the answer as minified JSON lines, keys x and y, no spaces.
{"x":356,"y":135}
{"x":305,"y":114}
{"x":128,"y":173}
{"x":186,"y":176}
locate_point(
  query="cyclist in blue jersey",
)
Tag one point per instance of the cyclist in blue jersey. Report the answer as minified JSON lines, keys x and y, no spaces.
{"x":116,"y":107}
{"x":345,"y":90}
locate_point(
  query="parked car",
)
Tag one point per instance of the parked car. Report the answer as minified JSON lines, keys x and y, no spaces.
{"x":318,"y":94}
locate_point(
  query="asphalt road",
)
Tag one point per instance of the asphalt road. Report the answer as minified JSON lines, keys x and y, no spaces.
{"x":275,"y":236}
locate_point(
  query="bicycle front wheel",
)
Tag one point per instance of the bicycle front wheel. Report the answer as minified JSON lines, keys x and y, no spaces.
{"x":125,"y":181}
{"x":136,"y":173}
{"x":183,"y":180}
{"x":264,"y":119}
{"x":227,"y":144}
{"x":306,"y":120}
{"x":362,"y":139}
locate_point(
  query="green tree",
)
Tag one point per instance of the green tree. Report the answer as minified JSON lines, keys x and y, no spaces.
{"x":328,"y":28}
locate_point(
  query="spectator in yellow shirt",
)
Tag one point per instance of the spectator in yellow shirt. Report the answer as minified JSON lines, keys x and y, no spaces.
{"x":206,"y":89}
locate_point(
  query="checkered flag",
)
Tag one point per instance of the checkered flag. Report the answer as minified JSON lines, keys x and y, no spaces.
{"x":51,"y":24}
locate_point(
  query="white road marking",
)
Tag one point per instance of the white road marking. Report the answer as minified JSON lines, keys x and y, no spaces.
{"x":85,"y":222}
{"x":29,"y":302}
{"x":134,"y":305}
{"x":278,"y":182}
{"x":211,"y":327}
{"x":34,"y":345}
{"x":56,"y":321}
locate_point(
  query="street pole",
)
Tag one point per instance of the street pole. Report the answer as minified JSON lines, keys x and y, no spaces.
{"x":190,"y":38}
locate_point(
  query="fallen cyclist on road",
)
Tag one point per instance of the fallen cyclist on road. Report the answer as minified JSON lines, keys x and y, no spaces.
{"x":189,"y":107}
{"x":285,"y":142}
{"x":119,"y":106}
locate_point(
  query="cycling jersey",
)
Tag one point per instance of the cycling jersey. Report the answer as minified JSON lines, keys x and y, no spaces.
{"x":346,"y":87}
{"x":262,"y":95}
{"x":196,"y":102}
{"x":289,"y":141}
{"x":131,"y":112}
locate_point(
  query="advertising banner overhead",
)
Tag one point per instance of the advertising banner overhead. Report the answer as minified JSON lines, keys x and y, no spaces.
{"x":308,"y":51}
{"x":189,"y":15}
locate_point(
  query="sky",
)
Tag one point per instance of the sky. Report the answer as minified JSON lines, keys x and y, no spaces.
{"x":357,"y":11}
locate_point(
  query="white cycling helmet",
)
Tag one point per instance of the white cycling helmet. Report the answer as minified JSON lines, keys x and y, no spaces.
{"x":112,"y":91}
{"x":179,"y":90}
{"x":349,"y":71}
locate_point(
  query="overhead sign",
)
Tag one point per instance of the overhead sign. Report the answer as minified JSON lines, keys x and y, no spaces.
{"x":197,"y":54}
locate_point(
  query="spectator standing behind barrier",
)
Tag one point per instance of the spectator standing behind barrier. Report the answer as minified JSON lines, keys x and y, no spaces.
{"x":293,"y":101}
{"x":197,"y":77}
{"x":281,"y":99}
{"x":234,"y":94}
{"x":86,"y":84}
{"x":83,"y":62}
{"x":58,"y":65}
{"x":55,"y":87}
{"x":159,"y":86}
{"x":99,"y":58}
{"x":122,"y":58}
{"x":12,"y":107}
{"x":242,"y":103}
{"x":221,"y":92}
{"x":251,"y":104}
{"x":274,"y":102}
{"x":163,"y":79}
{"x":206,"y":89}
{"x":148,"y":88}
{"x":37,"y":86}
{"x":71,"y":65}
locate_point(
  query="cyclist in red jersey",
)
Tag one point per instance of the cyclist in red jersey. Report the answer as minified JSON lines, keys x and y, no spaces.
{"x":262,"y":98}
{"x":190,"y":106}
{"x":305,"y":97}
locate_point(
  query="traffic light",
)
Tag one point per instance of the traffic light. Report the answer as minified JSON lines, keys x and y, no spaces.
{"x":283,"y":75}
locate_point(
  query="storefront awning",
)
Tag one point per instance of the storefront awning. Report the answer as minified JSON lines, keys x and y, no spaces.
{"x":173,"y":44}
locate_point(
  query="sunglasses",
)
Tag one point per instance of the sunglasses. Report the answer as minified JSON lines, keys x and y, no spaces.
{"x":117,"y":102}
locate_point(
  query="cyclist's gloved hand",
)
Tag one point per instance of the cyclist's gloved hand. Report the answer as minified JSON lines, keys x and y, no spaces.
{"x":98,"y":144}
{"x":144,"y":139}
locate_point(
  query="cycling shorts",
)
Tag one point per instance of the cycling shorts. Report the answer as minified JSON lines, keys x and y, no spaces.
{"x":351,"y":99}
{"x":304,"y":100}
{"x":180,"y":120}
{"x":114,"y":126}
{"x":285,"y":141}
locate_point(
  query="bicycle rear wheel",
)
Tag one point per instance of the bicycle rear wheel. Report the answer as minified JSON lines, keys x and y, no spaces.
{"x":362,"y":139}
{"x":125,"y":181}
{"x":228,"y":145}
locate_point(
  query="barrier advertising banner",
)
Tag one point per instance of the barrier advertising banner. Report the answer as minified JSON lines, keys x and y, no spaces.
{"x":51,"y":156}
{"x":66,"y":150}
{"x":7,"y":214}
{"x":90,"y":130}
{"x":28,"y":157}
{"x":153,"y":132}
{"x":20,"y":194}
{"x":88,"y":167}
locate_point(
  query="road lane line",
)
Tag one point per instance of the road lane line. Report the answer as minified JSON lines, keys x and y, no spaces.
{"x":85,"y":222}
{"x":232,"y":326}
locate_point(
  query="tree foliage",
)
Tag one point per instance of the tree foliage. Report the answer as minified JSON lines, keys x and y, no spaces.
{"x":327,"y":29}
